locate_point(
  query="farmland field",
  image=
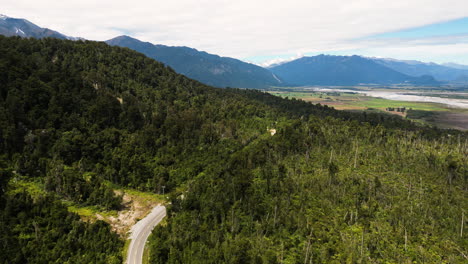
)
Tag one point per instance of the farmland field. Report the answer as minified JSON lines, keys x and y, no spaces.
{"x":452,"y":114}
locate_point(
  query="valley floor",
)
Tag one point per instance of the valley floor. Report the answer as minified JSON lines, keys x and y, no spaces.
{"x":429,"y":110}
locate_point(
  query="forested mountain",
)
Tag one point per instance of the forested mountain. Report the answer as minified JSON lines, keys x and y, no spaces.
{"x":21,"y":27}
{"x":343,"y":70}
{"x":207,"y":68}
{"x":252,"y":178}
{"x":228,"y":72}
{"x":417,"y":68}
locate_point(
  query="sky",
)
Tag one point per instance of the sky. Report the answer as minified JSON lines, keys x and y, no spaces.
{"x":267,"y":31}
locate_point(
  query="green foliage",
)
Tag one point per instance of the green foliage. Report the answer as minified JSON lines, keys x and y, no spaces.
{"x":85,"y":189}
{"x":324,"y":191}
{"x":43,"y":231}
{"x":329,"y":186}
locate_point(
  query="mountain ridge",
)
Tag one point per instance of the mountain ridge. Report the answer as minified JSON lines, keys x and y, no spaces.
{"x":343,"y":70}
{"x":10,"y":26}
{"x":417,"y":68}
{"x":222,"y":71}
{"x":455,"y":65}
{"x":207,"y":68}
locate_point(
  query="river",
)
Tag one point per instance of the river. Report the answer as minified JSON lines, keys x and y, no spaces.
{"x":408,"y":96}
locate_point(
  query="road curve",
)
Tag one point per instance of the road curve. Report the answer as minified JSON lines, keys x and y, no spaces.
{"x":140,"y":232}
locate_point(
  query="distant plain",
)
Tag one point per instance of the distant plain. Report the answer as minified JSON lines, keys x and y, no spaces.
{"x":452,"y":114}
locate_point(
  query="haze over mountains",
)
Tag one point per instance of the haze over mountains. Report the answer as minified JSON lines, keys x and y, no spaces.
{"x":417,"y":68}
{"x":220,"y":71}
{"x":455,"y":65}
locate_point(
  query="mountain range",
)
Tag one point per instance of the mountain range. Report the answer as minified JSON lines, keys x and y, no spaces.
{"x":343,"y":70}
{"x":201,"y":66}
{"x":417,"y":68}
{"x":455,"y":65}
{"x":221,"y":71}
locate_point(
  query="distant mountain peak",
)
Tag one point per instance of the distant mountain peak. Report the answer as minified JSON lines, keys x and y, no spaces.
{"x":23,"y":28}
{"x":121,"y":37}
{"x":342,"y":70}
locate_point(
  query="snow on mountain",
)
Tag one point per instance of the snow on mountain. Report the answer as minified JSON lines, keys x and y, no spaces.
{"x":10,"y":26}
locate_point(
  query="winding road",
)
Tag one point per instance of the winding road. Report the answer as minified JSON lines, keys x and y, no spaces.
{"x":140,"y":233}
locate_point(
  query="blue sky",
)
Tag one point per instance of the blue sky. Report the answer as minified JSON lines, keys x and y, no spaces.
{"x":446,"y":33}
{"x":266,"y":30}
{"x":448,"y":28}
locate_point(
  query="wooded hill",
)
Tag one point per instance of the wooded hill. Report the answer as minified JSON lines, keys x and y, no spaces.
{"x":329,"y":186}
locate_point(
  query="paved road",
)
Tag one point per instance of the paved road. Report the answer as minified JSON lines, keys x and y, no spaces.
{"x":140,"y":232}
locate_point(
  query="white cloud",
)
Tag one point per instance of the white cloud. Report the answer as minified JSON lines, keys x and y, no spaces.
{"x":239,"y":28}
{"x":434,"y":49}
{"x":424,"y":52}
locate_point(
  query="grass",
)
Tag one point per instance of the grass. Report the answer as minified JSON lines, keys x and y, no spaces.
{"x":142,"y":196}
{"x":422,"y":112}
{"x":89,"y":213}
{"x":145,"y":196}
{"x":146,"y":254}
{"x":379,"y":103}
{"x":85,"y":212}
{"x":353,"y":101}
{"x":125,"y":249}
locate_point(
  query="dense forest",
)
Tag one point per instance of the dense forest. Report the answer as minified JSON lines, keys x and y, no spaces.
{"x":252,"y":178}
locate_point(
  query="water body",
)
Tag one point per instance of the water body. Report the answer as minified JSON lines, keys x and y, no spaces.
{"x":405,"y":96}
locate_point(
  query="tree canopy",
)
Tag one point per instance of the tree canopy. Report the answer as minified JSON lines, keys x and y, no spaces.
{"x":329,"y":186}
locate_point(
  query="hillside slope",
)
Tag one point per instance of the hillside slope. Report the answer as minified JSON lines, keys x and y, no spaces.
{"x":328,"y":186}
{"x":207,"y":68}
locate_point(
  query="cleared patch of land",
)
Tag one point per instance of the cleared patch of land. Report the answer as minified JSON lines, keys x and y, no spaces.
{"x":452,"y":120}
{"x":135,"y":206}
